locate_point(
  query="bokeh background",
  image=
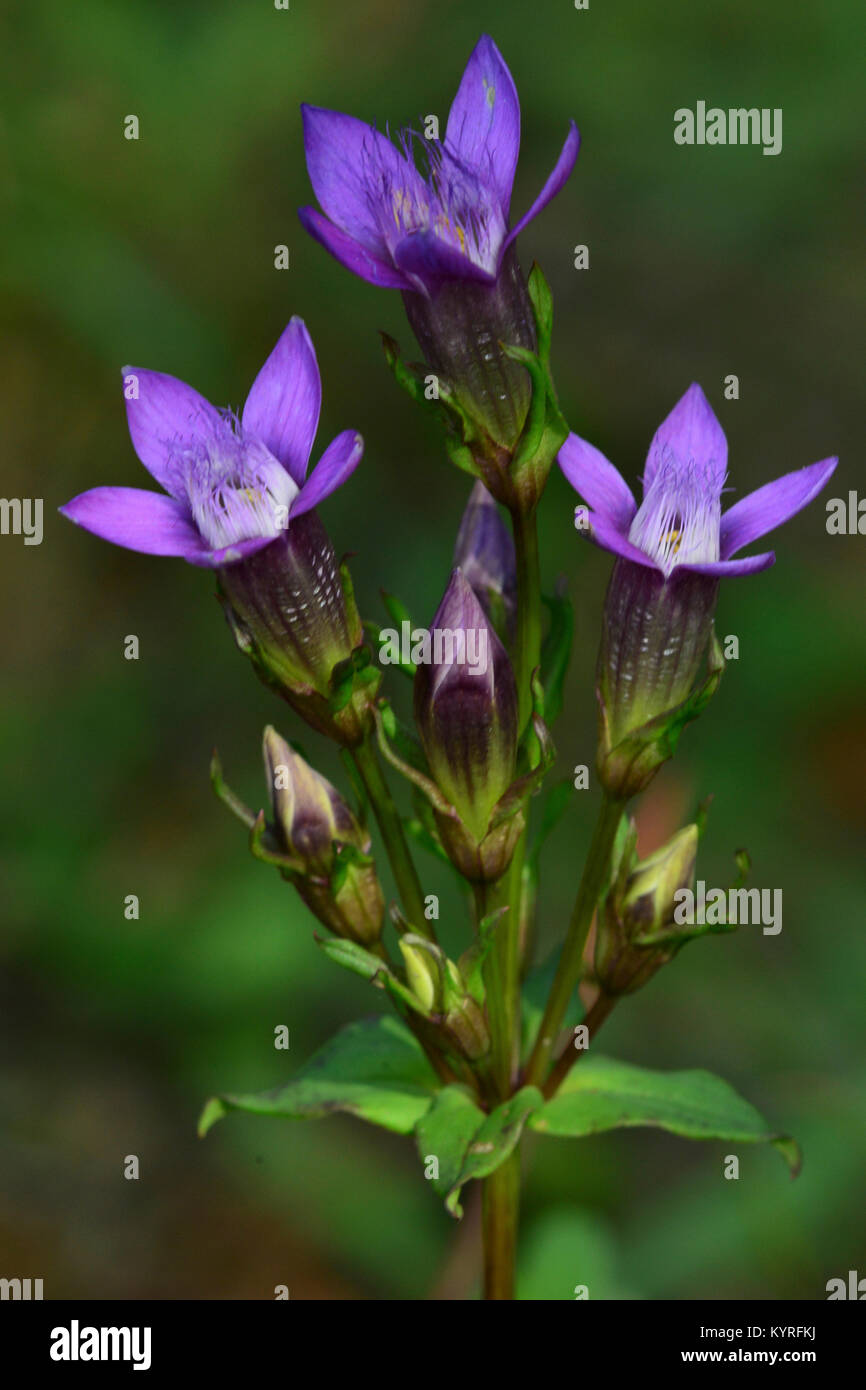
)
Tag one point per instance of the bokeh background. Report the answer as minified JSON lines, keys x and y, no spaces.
{"x":703,"y":262}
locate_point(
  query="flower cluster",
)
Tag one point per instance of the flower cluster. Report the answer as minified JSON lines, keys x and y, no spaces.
{"x":430,"y":217}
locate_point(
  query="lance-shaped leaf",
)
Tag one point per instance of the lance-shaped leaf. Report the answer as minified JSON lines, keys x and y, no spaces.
{"x":373,"y":1069}
{"x":467,"y":1143}
{"x":494,"y":1141}
{"x":601,"y":1094}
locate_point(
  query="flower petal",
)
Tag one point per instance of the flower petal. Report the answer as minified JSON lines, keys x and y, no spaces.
{"x":351,"y":253}
{"x":555,"y":181}
{"x":769,"y":506}
{"x":230,"y":554}
{"x":282,"y":409}
{"x":608,"y":536}
{"x":749,"y":565}
{"x":341,"y":458}
{"x":427,"y":262}
{"x":352,"y":169}
{"x":690,"y":433}
{"x":148,"y":522}
{"x":166,"y":414}
{"x":484,"y":121}
{"x":597,"y":481}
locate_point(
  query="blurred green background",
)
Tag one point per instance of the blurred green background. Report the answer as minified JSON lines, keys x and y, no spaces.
{"x":703,"y":262}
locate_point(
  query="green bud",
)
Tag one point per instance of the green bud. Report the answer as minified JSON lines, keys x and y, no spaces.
{"x":422,"y":974}
{"x":641,"y":903}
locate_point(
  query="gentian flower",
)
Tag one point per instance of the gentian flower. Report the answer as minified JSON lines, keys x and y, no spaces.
{"x":441,"y":236}
{"x":232,"y":484}
{"x":671,"y":552}
{"x":239,"y":500}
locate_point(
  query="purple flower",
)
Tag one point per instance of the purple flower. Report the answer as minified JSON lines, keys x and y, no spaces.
{"x":679,"y":525}
{"x":233,"y":485}
{"x":671,"y":552}
{"x":400,"y":228}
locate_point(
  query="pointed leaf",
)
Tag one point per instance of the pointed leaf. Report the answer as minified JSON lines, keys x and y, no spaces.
{"x":374,"y":1069}
{"x":445,"y":1132}
{"x":601,"y":1094}
{"x":494,"y":1141}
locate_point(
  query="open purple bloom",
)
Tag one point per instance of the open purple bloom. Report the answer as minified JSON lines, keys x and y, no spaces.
{"x":398,"y":227}
{"x":233,"y":485}
{"x":671,"y":553}
{"x":679,"y":525}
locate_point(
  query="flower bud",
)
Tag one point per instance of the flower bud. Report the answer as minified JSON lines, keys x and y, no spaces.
{"x":466,"y":708}
{"x":422,"y":975}
{"x":310,"y":814}
{"x":640,"y":904}
{"x":485,"y":553}
{"x":290,"y":612}
{"x":460,"y":328}
{"x":325,"y":849}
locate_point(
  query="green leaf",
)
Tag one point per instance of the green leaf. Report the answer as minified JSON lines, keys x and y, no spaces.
{"x":445,"y":1132}
{"x":556,"y":652}
{"x":494,"y":1141}
{"x":601,"y":1094}
{"x":374,"y":1069}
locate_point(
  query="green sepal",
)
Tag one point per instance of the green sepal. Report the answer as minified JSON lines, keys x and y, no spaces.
{"x":374,"y":1069}
{"x":227,"y":796}
{"x":265,"y":846}
{"x":461,"y":429}
{"x":472,"y":960}
{"x":544,"y":432}
{"x":541,"y":297}
{"x":512,"y":800}
{"x":600,"y":1094}
{"x":372,"y":968}
{"x":346,"y":857}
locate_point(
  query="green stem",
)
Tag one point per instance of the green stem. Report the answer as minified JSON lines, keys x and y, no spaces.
{"x":501,"y":1011}
{"x":568,"y":971}
{"x":593,"y":1020}
{"x":500,"y":1203}
{"x":527,"y":646}
{"x":388,"y":819}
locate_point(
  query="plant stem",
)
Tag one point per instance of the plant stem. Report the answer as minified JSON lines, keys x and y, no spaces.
{"x":500,"y":1203}
{"x":501,"y":1006}
{"x":565,"y":1061}
{"x":387,"y":816}
{"x":501,"y":1192}
{"x":568,"y":970}
{"x":527,"y":646}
